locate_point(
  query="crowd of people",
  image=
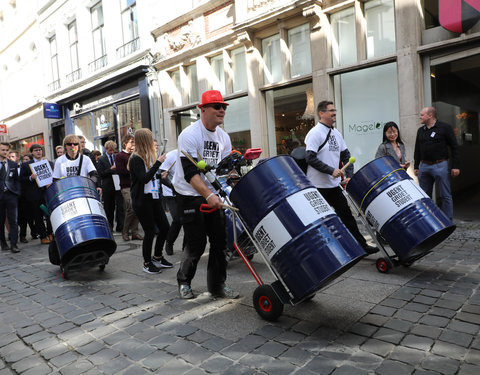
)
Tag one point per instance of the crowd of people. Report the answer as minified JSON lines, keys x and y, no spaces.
{"x":138,"y":184}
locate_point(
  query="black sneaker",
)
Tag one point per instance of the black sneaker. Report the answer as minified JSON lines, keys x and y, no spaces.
{"x":225,"y":292}
{"x":23,"y":240}
{"x":161,"y":263}
{"x":151,"y":268}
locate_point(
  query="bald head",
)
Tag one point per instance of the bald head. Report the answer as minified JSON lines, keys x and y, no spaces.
{"x":428,"y":116}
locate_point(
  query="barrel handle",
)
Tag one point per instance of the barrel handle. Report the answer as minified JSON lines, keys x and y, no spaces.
{"x":374,"y":186}
{"x":204,"y":207}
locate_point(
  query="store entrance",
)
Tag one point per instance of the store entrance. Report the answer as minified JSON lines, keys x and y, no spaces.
{"x":456,"y":96}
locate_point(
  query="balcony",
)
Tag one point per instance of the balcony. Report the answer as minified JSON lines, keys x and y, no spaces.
{"x":128,"y":48}
{"x":74,"y":76}
{"x":98,"y":64}
{"x":55,"y":85}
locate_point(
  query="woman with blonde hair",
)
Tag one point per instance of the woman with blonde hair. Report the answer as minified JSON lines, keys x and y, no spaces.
{"x":146,"y":200}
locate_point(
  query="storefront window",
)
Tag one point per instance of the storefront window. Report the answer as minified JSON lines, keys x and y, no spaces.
{"x":272,"y":59}
{"x":103,"y":119}
{"x":299,"y":47}
{"x":380,"y":20}
{"x":129,"y":118}
{"x":344,"y":48}
{"x":239,"y":67}
{"x":290,"y":115}
{"x":23,"y":145}
{"x":83,"y":125}
{"x":186,"y":118}
{"x":218,"y":79}
{"x":237,"y":124}
{"x":361,"y":117}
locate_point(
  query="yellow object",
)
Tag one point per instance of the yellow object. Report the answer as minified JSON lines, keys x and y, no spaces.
{"x":352,"y":160}
{"x":201,"y":164}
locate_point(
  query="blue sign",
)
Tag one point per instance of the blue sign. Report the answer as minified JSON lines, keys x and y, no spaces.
{"x":52,"y":110}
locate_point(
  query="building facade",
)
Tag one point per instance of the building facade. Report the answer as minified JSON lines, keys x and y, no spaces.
{"x":115,"y":66}
{"x":274,"y":60}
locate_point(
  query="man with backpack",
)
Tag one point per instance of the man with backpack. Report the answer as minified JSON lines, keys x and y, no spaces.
{"x":325,"y":149}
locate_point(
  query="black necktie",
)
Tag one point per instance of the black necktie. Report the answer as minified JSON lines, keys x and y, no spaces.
{"x":111,"y":159}
{"x":3,"y":172}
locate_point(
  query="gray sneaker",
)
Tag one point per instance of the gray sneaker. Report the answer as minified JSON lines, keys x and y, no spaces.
{"x":226,"y":292}
{"x":185,"y":292}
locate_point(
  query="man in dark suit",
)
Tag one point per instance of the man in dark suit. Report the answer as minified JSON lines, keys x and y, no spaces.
{"x":111,"y":198}
{"x":34,"y":195}
{"x":9,"y":192}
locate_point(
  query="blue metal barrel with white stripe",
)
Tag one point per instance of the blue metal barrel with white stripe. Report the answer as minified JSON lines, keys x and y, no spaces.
{"x":78,"y":219}
{"x":298,"y":232}
{"x":399,"y":209}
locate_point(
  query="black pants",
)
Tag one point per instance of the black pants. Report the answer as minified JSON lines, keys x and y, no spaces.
{"x":337,"y":200}
{"x":40,"y":219}
{"x":197,"y":226}
{"x":176,"y":225}
{"x":25,"y":218}
{"x":8,"y":209}
{"x":112,"y":200}
{"x":151,"y":215}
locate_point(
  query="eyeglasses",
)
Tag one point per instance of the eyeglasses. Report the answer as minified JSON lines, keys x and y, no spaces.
{"x":329,"y":110}
{"x":217,"y":106}
{"x":71,"y":144}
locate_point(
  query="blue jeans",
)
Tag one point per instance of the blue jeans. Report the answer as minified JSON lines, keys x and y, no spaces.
{"x":440,"y":175}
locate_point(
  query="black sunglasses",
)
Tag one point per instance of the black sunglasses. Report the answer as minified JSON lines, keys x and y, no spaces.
{"x":217,"y":106}
{"x":71,"y":144}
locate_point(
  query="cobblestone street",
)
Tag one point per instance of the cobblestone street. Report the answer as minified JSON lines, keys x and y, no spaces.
{"x":418,"y":320}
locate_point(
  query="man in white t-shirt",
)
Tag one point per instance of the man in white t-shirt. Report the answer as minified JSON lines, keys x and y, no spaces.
{"x":206,"y":140}
{"x":325,"y":149}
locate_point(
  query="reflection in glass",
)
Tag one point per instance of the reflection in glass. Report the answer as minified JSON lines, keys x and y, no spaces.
{"x":380,"y":19}
{"x":344,"y":48}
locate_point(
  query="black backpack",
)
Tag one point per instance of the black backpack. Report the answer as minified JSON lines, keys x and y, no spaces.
{"x":298,"y":154}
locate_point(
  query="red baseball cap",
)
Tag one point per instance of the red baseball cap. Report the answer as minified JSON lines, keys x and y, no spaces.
{"x":211,"y":97}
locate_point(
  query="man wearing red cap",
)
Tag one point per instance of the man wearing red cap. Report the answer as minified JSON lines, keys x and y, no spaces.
{"x":205,"y":140}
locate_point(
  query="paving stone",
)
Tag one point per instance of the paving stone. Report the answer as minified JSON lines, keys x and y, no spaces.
{"x":427,"y":331}
{"x":378,"y":347}
{"x":383,"y":310}
{"x":363,"y":329}
{"x":216,"y":344}
{"x":448,"y":350}
{"x":77,"y":367}
{"x":398,"y":325}
{"x":410,"y":316}
{"x":103,"y":356}
{"x":468,"y":370}
{"x":348,"y":370}
{"x":473,"y":357}
{"x":435,"y":321}
{"x":41,"y":369}
{"x":418,"y":307}
{"x":456,"y":325}
{"x":296,"y":356}
{"x":321,"y":365}
{"x":216,"y":364}
{"x":134,"y":349}
{"x":238,"y":369}
{"x":441,"y":365}
{"x":407,"y":355}
{"x":63,"y":359}
{"x":458,"y":338}
{"x":417,"y":342}
{"x":157,"y":360}
{"x":469,"y":318}
{"x":393,"y":367}
{"x":389,"y":335}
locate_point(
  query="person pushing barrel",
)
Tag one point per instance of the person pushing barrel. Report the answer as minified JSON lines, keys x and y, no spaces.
{"x":203,"y":140}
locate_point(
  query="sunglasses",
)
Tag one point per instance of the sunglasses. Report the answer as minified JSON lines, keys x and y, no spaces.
{"x":217,"y":106}
{"x":71,"y":144}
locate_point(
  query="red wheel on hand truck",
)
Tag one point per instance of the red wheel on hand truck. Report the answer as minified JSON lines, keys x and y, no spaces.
{"x":382,"y":265}
{"x":266,"y":303}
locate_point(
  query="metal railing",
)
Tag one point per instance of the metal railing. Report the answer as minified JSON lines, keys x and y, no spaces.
{"x":128,"y":48}
{"x":98,"y":64}
{"x":74,"y":76}
{"x":55,"y":85}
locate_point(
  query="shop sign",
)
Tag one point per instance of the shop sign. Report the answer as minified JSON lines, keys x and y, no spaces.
{"x":3,"y":128}
{"x":458,"y":15}
{"x":52,"y":110}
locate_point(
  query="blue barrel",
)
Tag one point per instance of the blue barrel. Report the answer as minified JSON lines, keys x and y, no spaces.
{"x":399,"y":209}
{"x":78,"y":219}
{"x":299,"y":233}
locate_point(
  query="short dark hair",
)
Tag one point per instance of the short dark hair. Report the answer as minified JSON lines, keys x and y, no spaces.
{"x":5,"y":144}
{"x":126,"y":139}
{"x":34,"y":146}
{"x":322,"y":106}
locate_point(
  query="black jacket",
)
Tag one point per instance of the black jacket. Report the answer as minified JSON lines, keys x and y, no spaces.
{"x":139,"y":177}
{"x":105,"y":173}
{"x":11,"y":178}
{"x":30,"y":189}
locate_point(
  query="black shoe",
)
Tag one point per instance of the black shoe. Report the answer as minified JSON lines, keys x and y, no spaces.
{"x":169,"y":248}
{"x":14,"y":249}
{"x":5,"y":246}
{"x":23,"y":240}
{"x":370,"y":249}
{"x":34,"y":236}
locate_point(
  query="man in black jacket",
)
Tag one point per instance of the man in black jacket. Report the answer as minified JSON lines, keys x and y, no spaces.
{"x":34,"y":195}
{"x":9,"y":192}
{"x":112,"y":198}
